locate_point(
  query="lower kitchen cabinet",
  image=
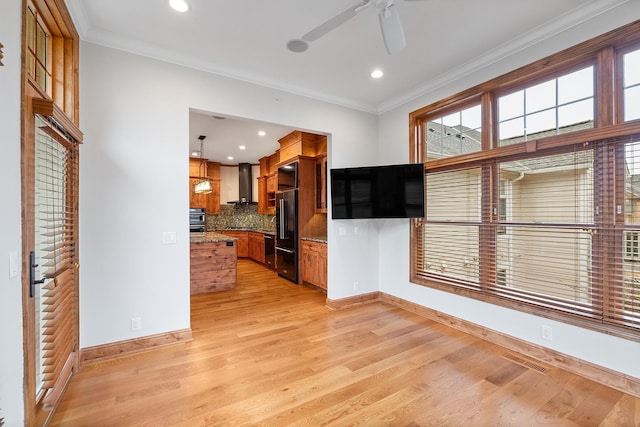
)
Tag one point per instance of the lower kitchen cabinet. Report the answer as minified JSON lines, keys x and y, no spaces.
{"x":314,"y":263}
{"x":213,"y":266}
{"x":243,"y":241}
{"x":256,"y":246}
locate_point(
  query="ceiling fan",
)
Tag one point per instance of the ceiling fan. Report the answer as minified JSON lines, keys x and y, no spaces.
{"x":390,"y":25}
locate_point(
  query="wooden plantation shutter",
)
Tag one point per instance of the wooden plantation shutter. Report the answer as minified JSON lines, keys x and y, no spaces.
{"x":55,"y":209}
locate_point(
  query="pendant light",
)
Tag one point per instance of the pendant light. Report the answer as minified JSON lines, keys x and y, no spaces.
{"x":203,"y":184}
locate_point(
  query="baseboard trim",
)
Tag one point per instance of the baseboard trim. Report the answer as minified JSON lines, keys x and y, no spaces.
{"x":135,"y":345}
{"x":608,"y":377}
{"x":339,"y":304}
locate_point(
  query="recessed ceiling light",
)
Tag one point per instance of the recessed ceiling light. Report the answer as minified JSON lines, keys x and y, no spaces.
{"x":179,"y":5}
{"x":230,"y":158}
{"x":242,"y":147}
{"x":376,"y":74}
{"x":262,"y":133}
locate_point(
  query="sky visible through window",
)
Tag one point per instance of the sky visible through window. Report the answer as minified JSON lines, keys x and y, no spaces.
{"x":559,"y":105}
{"x":554,"y":105}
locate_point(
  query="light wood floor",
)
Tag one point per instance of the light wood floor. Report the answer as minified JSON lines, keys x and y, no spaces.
{"x":271,"y":354}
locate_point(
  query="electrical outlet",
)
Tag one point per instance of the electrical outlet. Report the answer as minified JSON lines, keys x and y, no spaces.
{"x":136,"y":323}
{"x":546,"y":332}
{"x":356,"y":285}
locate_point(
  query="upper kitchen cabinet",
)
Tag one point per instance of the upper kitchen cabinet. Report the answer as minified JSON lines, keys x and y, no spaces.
{"x":321,"y":183}
{"x":268,"y":184}
{"x":211,"y":170}
{"x":299,"y":143}
{"x":197,"y":168}
{"x":262,"y":191}
{"x":213,"y":199}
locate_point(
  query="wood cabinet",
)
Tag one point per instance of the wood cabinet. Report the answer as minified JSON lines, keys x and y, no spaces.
{"x":242,"y":242}
{"x":272,"y":187}
{"x":321,"y":184}
{"x":272,"y":183}
{"x":195,"y":200}
{"x":313,"y":268}
{"x":213,"y":267}
{"x":211,"y":201}
{"x":195,"y":169}
{"x":262,"y":195}
{"x":267,"y":186}
{"x":299,"y":143}
{"x":256,"y":246}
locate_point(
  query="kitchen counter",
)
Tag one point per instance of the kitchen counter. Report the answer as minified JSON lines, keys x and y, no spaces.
{"x":318,"y":239}
{"x":255,"y":230}
{"x":213,"y":262}
{"x":210,"y":236}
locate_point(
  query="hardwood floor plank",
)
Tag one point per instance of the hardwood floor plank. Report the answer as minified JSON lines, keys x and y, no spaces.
{"x":270,"y":353}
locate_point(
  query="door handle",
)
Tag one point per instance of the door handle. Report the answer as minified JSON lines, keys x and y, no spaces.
{"x":285,"y":250}
{"x":32,"y":275}
{"x":283,"y":219}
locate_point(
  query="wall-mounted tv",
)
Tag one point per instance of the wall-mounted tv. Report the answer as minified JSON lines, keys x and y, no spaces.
{"x":394,"y":191}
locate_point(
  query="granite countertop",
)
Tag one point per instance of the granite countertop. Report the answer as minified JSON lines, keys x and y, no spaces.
{"x":210,"y":236}
{"x":318,"y":239}
{"x":271,"y":232}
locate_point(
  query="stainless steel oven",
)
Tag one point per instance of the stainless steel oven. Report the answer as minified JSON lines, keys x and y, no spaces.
{"x":197,"y":220}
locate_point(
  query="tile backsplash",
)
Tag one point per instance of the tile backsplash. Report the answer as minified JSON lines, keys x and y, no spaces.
{"x":240,"y":216}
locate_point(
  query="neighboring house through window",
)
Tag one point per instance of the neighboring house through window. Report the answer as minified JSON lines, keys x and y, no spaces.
{"x":533,"y":192}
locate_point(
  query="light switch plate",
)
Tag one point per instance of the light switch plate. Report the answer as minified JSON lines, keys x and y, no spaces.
{"x":169,"y":237}
{"x":14,"y":266}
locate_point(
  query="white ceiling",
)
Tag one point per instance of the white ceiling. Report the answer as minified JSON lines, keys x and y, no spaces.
{"x":225,"y":134}
{"x":246,"y":39}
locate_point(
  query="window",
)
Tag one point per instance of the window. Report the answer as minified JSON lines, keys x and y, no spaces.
{"x":503,"y":206}
{"x":560,"y":105}
{"x":631,"y":67}
{"x":632,"y":246}
{"x":38,"y":61}
{"x":546,"y":249}
{"x":453,"y":229}
{"x":543,"y":216}
{"x":453,"y":134}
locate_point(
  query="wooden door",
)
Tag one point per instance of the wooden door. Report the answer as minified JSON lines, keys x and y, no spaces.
{"x":51,"y":263}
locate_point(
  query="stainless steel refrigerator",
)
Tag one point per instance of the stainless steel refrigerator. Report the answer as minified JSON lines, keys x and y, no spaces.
{"x":287,"y":234}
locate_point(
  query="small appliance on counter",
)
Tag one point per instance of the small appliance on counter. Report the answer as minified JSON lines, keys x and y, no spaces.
{"x":197,"y":220}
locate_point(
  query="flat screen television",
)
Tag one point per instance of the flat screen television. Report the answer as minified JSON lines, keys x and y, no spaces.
{"x":394,"y":191}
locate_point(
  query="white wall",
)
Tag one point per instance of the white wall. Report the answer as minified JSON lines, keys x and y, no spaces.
{"x":11,"y":360}
{"x":135,"y":117}
{"x":611,"y":352}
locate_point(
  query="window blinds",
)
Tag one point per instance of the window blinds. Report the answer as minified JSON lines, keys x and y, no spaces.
{"x":55,"y":249}
{"x":559,"y":231}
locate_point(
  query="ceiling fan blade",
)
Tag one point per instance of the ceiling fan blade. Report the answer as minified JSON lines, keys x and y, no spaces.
{"x":392,"y":32}
{"x":334,"y":22}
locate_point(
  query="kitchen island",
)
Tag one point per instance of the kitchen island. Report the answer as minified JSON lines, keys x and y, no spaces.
{"x":213,"y":262}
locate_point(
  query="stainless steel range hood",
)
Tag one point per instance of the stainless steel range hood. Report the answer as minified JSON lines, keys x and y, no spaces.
{"x":245,"y":185}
